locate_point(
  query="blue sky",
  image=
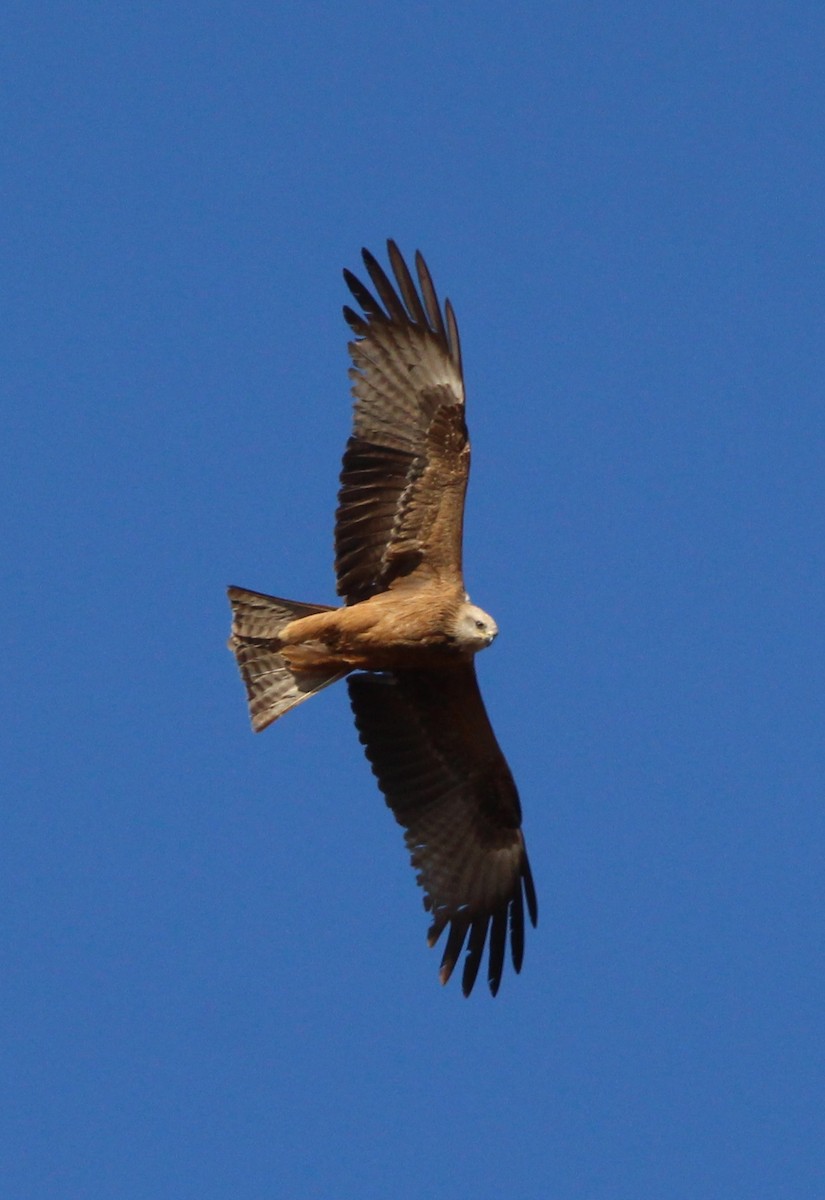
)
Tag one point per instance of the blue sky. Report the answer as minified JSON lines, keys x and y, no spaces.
{"x":215,"y":980}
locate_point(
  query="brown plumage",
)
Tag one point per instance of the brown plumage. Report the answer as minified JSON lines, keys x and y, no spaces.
{"x":407,"y":629}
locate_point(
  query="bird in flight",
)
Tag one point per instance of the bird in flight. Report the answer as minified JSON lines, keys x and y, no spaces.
{"x":407,"y":634}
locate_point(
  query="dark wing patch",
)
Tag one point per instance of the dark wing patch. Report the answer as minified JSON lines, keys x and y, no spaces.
{"x":405,"y":467}
{"x":432,"y":748}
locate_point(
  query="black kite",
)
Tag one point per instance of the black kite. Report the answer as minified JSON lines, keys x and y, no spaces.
{"x":407,"y":628}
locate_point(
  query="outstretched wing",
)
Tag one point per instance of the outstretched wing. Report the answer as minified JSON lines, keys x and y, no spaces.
{"x":405,"y":468}
{"x":437,"y":761}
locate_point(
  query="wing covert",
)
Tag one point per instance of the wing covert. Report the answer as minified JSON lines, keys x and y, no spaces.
{"x":435,"y":756}
{"x":405,"y":467}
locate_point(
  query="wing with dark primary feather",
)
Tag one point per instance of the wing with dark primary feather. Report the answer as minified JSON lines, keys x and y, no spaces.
{"x":405,"y":467}
{"x":437,"y":761}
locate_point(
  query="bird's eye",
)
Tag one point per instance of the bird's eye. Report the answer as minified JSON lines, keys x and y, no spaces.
{"x":479,"y":624}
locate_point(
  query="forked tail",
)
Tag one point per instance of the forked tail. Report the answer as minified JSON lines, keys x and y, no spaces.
{"x":272,"y":685}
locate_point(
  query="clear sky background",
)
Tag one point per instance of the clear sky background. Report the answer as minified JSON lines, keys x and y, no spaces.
{"x":216,"y":984}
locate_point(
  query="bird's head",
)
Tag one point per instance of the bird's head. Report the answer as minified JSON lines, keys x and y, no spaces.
{"x":474,"y":628}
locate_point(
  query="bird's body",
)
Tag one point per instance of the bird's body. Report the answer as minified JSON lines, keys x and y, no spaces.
{"x":395,"y":624}
{"x":407,"y":627}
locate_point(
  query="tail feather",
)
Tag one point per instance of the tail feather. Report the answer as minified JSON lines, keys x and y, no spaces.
{"x":272,"y":685}
{"x":256,"y":615}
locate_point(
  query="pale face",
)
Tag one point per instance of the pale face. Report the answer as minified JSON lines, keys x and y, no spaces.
{"x":474,"y":628}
